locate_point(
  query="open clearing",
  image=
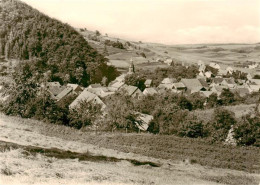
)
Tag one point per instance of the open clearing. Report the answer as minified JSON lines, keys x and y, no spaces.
{"x":29,"y":150}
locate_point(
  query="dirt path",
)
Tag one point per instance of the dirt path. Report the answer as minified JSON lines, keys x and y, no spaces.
{"x":18,"y":166}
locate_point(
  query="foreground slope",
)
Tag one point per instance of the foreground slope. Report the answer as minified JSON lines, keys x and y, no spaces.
{"x":33,"y":152}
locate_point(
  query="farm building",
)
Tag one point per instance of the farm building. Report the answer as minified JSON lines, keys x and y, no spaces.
{"x":116,"y":85}
{"x":214,"y":65}
{"x":148,"y":83}
{"x":86,"y":96}
{"x":53,"y":84}
{"x":67,"y":91}
{"x":150,"y":91}
{"x":179,"y":86}
{"x":206,"y":93}
{"x":76,"y":88}
{"x":166,"y":86}
{"x":168,"y":61}
{"x":218,"y":89}
{"x":229,"y":82}
{"x":143,"y":121}
{"x":94,"y":86}
{"x":169,"y":81}
{"x":133,"y":91}
{"x":208,"y":74}
{"x":193,"y":85}
{"x":101,"y":91}
{"x":217,"y":81}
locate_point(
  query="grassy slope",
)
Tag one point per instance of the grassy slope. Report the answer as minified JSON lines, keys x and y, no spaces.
{"x":167,"y":150}
{"x":161,"y":146}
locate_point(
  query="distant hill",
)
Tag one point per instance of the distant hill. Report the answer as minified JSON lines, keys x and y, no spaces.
{"x":225,"y":55}
{"x":54,"y":47}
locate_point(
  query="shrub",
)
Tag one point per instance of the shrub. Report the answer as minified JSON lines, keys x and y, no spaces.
{"x":247,"y":131}
{"x":191,"y":127}
{"x":184,"y":103}
{"x":221,"y":123}
{"x":85,"y":114}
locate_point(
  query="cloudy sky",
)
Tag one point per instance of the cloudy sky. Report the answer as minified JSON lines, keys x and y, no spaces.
{"x":163,"y":21}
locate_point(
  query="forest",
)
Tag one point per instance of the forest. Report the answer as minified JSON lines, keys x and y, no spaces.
{"x":58,"y":52}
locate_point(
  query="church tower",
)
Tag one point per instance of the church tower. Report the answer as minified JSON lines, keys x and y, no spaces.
{"x":131,"y":67}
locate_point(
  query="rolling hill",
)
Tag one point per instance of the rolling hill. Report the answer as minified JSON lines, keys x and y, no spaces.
{"x":236,"y":55}
{"x":52,"y":48}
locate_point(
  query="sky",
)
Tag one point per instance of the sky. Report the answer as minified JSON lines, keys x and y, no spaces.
{"x":161,"y":21}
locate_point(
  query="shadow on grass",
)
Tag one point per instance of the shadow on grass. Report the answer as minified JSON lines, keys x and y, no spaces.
{"x":62,"y":154}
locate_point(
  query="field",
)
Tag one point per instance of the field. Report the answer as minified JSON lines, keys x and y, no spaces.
{"x":223,"y":54}
{"x":33,"y":151}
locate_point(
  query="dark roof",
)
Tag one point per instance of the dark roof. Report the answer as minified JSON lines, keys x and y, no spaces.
{"x":95,"y":85}
{"x":192,"y":84}
{"x":218,"y":80}
{"x":203,"y":82}
{"x":130,"y":89}
{"x":64,"y":93}
{"x":55,"y":90}
{"x":230,"y":81}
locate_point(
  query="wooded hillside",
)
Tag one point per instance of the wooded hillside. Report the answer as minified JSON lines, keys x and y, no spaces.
{"x":27,"y":34}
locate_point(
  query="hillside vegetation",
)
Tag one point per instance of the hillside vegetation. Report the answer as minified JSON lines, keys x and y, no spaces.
{"x":49,"y":45}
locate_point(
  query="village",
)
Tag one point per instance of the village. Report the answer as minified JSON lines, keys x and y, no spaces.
{"x":205,"y":84}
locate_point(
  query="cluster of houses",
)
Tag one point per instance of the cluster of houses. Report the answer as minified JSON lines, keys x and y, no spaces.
{"x":203,"y":84}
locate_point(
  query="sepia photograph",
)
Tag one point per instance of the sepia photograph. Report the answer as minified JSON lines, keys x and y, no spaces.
{"x":129,"y":92}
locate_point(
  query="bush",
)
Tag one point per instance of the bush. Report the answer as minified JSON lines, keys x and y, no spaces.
{"x":191,"y":127}
{"x":221,"y":123}
{"x":247,"y":131}
{"x":84,"y":115}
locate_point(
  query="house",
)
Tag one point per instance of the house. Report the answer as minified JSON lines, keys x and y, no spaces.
{"x":240,"y":82}
{"x":76,"y":88}
{"x":193,"y":85}
{"x":179,"y":86}
{"x":159,"y":60}
{"x":241,"y":91}
{"x":222,"y":72}
{"x":116,"y":85}
{"x":249,"y":76}
{"x":55,"y":90}
{"x":204,"y":83}
{"x":201,"y":74}
{"x":168,"y":61}
{"x":94,"y":86}
{"x":101,"y":91}
{"x":143,"y":121}
{"x":67,"y":91}
{"x":148,"y":83}
{"x":150,"y":91}
{"x":53,"y":84}
{"x":169,"y":81}
{"x":254,"y":88}
{"x":201,"y":63}
{"x":120,"y":78}
{"x":255,"y":81}
{"x":202,"y":68}
{"x":214,"y":65}
{"x":230,"y":70}
{"x":217,"y":81}
{"x":230,"y":82}
{"x":208,"y":74}
{"x":86,"y":96}
{"x":218,"y":89}
{"x":166,"y":86}
{"x":133,"y":91}
{"x":206,"y":93}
